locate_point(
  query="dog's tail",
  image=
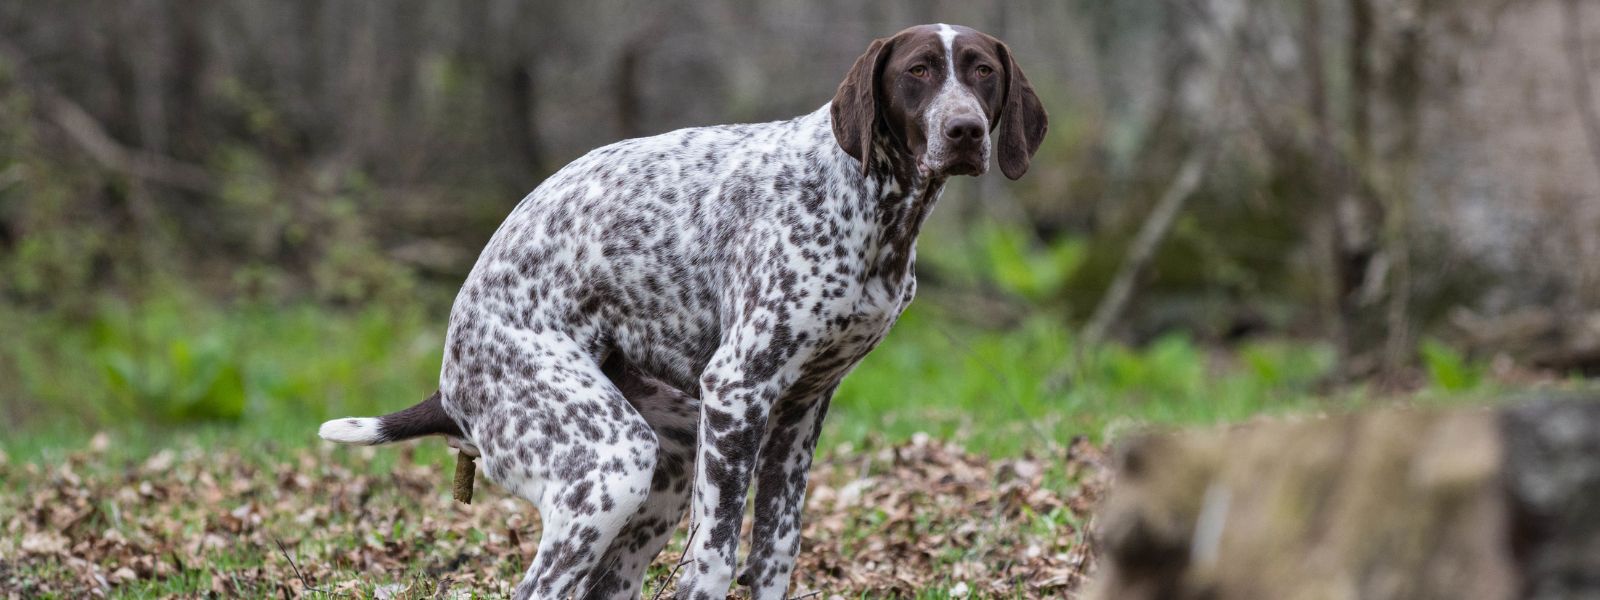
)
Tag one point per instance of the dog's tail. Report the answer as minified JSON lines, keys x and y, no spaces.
{"x":425,"y":418}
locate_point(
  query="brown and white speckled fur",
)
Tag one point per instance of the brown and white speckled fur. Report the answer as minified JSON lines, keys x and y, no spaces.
{"x":664,"y":320}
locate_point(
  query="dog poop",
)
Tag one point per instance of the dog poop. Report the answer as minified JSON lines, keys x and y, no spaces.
{"x":465,"y":469}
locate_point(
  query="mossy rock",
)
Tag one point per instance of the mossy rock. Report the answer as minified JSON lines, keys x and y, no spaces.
{"x":1386,"y":504}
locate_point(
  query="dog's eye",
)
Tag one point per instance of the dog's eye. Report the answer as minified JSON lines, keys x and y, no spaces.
{"x":984,"y":71}
{"x":919,"y":71}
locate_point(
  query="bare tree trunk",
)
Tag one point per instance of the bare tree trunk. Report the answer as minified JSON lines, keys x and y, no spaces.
{"x":1356,"y":219}
{"x":1584,"y":99}
{"x":184,"y":86}
{"x":1326,"y":184}
{"x":1405,"y":95}
{"x":1316,"y":70}
{"x":1582,"y":87}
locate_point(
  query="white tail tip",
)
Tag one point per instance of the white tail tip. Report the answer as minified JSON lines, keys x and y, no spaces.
{"x":351,"y":430}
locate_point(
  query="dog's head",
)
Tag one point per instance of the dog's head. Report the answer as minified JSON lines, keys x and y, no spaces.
{"x":932,"y":94}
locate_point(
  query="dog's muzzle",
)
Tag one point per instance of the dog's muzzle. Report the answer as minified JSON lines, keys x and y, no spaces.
{"x":961,"y":147}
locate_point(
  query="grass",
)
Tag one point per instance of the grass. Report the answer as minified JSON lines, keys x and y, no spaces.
{"x":1005,"y":392}
{"x":274,"y":372}
{"x":244,"y":371}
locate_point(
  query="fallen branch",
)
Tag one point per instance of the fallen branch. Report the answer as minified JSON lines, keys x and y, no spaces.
{"x":85,"y":131}
{"x":1144,"y":247}
{"x":1159,"y":223}
{"x":100,"y":146}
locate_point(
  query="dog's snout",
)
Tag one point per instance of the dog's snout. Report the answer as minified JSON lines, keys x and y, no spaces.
{"x":964,"y":129}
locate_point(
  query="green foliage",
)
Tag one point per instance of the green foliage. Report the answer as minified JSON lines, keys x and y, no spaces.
{"x":191,"y":380}
{"x":994,"y":390}
{"x":170,"y":359}
{"x":272,"y":369}
{"x":1034,"y":272}
{"x":1448,"y":369}
{"x":1172,"y":366}
{"x":1007,"y":259}
{"x":1284,"y":365}
{"x":57,"y":239}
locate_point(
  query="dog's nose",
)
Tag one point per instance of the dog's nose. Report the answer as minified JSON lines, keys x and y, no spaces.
{"x":964,"y":129}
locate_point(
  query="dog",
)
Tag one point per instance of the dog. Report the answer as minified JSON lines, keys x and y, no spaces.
{"x":662,"y":323}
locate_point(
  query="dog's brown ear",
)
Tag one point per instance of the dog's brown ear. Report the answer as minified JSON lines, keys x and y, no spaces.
{"x":855,"y":105}
{"x":1022,"y":119}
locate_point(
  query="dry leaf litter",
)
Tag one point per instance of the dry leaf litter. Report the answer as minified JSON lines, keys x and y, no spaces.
{"x":885,"y":521}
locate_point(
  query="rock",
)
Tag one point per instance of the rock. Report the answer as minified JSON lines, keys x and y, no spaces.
{"x":1552,"y":477}
{"x":1469,"y":504}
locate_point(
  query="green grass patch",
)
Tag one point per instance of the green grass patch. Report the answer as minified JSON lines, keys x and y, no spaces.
{"x":242,"y":372}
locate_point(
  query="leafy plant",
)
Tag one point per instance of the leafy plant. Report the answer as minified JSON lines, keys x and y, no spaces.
{"x":1018,"y":265}
{"x":1448,"y":369}
{"x":171,"y":358}
{"x":191,"y":380}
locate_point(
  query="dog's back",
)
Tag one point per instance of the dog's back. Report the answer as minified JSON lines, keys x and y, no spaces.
{"x":630,"y":245}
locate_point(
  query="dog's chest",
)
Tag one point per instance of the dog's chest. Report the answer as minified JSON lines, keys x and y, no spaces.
{"x":879,"y":307}
{"x":857,"y":326}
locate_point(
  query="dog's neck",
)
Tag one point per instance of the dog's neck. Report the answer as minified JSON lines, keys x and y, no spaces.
{"x":902,"y":198}
{"x":892,"y":193}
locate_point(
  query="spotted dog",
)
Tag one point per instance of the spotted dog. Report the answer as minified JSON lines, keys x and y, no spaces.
{"x":662,"y":323}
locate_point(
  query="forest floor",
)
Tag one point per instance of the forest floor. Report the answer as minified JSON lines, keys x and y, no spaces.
{"x":915,"y":519}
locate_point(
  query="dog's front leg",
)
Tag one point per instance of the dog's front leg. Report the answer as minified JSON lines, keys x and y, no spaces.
{"x":744,"y":378}
{"x":780,"y":479}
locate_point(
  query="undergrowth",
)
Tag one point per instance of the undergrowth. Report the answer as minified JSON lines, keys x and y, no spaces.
{"x":254,"y":371}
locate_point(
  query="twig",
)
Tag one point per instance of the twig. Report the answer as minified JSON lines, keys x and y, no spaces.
{"x":298,"y":573}
{"x":296,"y":568}
{"x":673,"y":575}
{"x":804,"y":596}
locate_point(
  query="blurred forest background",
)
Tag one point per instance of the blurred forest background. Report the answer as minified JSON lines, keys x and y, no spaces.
{"x":258,"y":212}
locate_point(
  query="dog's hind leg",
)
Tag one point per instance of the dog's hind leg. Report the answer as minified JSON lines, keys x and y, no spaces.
{"x":674,"y":416}
{"x":556,"y":431}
